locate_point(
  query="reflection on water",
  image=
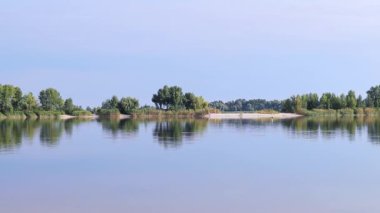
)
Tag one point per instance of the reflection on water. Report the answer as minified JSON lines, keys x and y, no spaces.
{"x":120,"y":127}
{"x":172,"y":133}
{"x":14,"y":132}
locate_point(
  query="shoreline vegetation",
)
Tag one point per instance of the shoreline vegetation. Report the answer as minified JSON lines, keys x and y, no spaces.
{"x":172,"y":102}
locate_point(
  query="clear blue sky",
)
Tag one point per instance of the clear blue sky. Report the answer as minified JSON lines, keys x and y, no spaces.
{"x":90,"y":49}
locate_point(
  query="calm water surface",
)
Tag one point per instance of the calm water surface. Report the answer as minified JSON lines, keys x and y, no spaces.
{"x":303,"y":165}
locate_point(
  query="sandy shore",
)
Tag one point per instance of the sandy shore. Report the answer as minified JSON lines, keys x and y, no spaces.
{"x":252,"y":116}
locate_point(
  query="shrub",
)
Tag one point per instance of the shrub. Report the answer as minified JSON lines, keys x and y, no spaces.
{"x":346,"y":112}
{"x":49,"y":114}
{"x":108,"y":113}
{"x":81,"y":113}
{"x":148,"y":113}
{"x":359,"y":111}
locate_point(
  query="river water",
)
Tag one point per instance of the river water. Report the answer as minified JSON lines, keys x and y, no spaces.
{"x":300,"y":165}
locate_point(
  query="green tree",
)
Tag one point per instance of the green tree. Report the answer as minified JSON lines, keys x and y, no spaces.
{"x":176,"y":98}
{"x":69,"y":106}
{"x":360,"y":102}
{"x":201,"y":103}
{"x":312,"y":101}
{"x":190,"y":100}
{"x":288,"y":106}
{"x":373,"y":96}
{"x":10,"y":98}
{"x":343,"y":102}
{"x":325,"y":101}
{"x":128,"y":105}
{"x":351,"y":100}
{"x":50,"y":99}
{"x":111,"y":103}
{"x":28,"y":102}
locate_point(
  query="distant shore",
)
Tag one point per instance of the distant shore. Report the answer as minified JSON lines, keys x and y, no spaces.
{"x":66,"y":117}
{"x":223,"y":116}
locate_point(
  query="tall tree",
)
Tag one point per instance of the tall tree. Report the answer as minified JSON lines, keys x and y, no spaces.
{"x":128,"y":105}
{"x":69,"y":106}
{"x":28,"y":102}
{"x":50,"y":99}
{"x":351,"y":100}
{"x":111,"y":103}
{"x":373,"y":96}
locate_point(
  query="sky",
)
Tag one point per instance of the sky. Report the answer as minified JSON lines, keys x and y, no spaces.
{"x":90,"y":49}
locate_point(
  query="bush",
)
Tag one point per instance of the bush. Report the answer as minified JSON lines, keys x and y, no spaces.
{"x":359,"y":111}
{"x":81,"y":113}
{"x":108,"y":113}
{"x":346,"y":112}
{"x":318,"y":112}
{"x":148,"y":113}
{"x":49,"y":114}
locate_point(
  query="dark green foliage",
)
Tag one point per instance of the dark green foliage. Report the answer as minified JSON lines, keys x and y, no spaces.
{"x":10,"y":98}
{"x":172,"y":98}
{"x":193,"y":102}
{"x":68,"y":106}
{"x":28,"y":103}
{"x":50,"y":100}
{"x":128,"y":105}
{"x":351,"y":100}
{"x":111,"y":103}
{"x":246,"y":105}
{"x":373,"y":99}
{"x":81,"y":113}
{"x":48,"y":114}
{"x":108,"y":113}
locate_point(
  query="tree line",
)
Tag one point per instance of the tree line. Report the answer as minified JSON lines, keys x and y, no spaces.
{"x":300,"y":103}
{"x":246,"y":105}
{"x":13,"y":100}
{"x":172,"y":98}
{"x":168,"y":98}
{"x":333,"y":101}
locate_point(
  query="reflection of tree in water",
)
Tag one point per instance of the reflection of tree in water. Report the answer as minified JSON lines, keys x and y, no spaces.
{"x":10,"y":134}
{"x":51,"y":132}
{"x":171,"y":133}
{"x":125,"y":126}
{"x":14,"y":132}
{"x":329,"y":127}
{"x":374,"y":130}
{"x":304,"y":127}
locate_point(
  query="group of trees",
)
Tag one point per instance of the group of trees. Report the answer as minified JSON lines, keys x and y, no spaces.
{"x":305,"y":102}
{"x":125,"y":105}
{"x":13,"y":100}
{"x":246,"y":105}
{"x":332,"y":101}
{"x":173,"y":98}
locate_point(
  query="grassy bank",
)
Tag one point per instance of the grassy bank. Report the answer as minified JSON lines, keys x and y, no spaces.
{"x":162,"y":114}
{"x":346,"y":112}
{"x":108,"y":114}
{"x":42,"y":115}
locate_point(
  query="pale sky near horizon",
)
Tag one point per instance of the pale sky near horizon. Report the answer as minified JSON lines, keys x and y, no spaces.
{"x":90,"y":50}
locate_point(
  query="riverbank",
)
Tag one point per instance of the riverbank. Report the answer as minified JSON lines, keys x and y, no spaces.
{"x":224,"y":116}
